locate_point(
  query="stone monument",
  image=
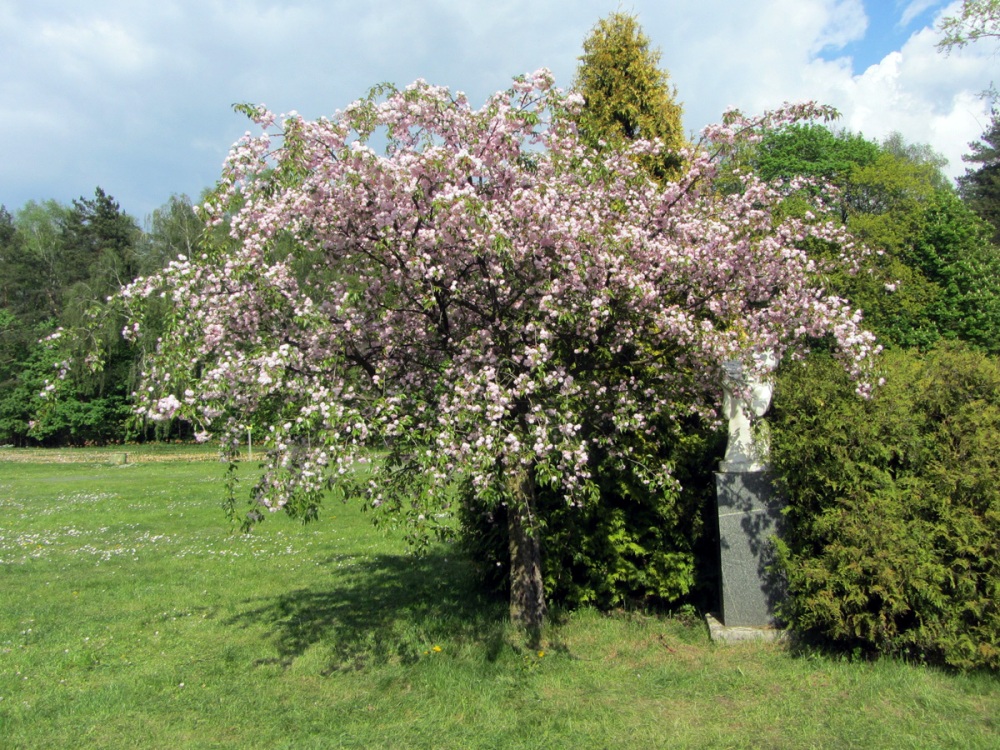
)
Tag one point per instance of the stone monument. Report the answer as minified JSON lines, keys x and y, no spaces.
{"x":748,"y":508}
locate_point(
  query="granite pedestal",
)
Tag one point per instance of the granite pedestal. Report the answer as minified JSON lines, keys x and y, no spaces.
{"x":749,"y":516}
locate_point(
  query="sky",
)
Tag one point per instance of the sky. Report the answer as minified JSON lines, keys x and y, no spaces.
{"x":135,"y":96}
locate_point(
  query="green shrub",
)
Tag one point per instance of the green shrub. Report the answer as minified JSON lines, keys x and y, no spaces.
{"x":628,"y":547}
{"x":892,"y":543}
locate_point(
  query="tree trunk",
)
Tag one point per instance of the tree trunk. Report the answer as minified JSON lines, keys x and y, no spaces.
{"x":527,"y":590}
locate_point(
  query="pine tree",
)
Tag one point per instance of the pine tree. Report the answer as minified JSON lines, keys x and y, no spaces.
{"x":980,"y":187}
{"x":627,"y":96}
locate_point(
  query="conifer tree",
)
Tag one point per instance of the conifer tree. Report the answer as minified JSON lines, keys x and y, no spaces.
{"x":627,"y":96}
{"x":980,"y":186}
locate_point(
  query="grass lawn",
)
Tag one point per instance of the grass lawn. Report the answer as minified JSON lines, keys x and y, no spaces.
{"x":131,"y":616}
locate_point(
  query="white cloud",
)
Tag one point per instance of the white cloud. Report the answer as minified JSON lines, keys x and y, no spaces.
{"x":845,"y":22}
{"x":754,"y":55}
{"x":913,"y":9}
{"x":927,"y":97}
{"x":106,"y":46}
{"x":760,"y":56}
{"x":136,"y":96}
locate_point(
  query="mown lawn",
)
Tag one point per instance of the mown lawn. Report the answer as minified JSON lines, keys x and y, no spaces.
{"x":132,"y":616}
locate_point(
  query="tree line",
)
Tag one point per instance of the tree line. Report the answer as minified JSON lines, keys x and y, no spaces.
{"x":57,"y":264}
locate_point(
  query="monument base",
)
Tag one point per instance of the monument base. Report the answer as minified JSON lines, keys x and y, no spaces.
{"x":749,"y":516}
{"x":719,"y":633}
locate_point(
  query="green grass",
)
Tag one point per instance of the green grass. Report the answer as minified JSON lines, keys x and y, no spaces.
{"x":131,"y":616}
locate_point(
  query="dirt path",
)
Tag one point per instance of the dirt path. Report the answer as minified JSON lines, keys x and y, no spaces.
{"x":122,"y":454}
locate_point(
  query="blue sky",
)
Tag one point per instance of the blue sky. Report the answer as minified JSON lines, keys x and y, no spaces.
{"x":890,"y":25}
{"x":135,"y":96}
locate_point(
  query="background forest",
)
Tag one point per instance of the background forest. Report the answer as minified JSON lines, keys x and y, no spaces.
{"x":56,"y":263}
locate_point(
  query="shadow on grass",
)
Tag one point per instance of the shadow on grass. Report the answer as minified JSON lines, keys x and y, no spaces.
{"x":380,"y":609}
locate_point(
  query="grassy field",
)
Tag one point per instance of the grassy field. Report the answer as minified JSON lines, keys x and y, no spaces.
{"x":131,"y":616}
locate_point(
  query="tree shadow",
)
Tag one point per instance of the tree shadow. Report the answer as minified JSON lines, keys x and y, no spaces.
{"x":380,"y":609}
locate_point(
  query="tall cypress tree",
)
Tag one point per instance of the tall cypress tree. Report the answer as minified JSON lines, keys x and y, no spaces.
{"x":627,"y":96}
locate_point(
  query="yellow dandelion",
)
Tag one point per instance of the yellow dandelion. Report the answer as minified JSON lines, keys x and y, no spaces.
{"x":436,"y":649}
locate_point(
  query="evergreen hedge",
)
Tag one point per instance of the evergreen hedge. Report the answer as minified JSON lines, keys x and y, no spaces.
{"x":892,"y":542}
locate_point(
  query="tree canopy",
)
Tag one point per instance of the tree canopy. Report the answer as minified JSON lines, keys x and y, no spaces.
{"x":812,"y":150}
{"x":936,"y":273}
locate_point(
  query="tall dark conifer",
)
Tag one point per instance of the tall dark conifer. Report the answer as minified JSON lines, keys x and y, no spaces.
{"x":980,"y":185}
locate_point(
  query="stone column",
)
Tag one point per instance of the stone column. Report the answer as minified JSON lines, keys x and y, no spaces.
{"x":749,"y":515}
{"x":749,"y":510}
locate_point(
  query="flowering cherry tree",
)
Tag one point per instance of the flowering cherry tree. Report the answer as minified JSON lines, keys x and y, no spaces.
{"x":484,"y":301}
